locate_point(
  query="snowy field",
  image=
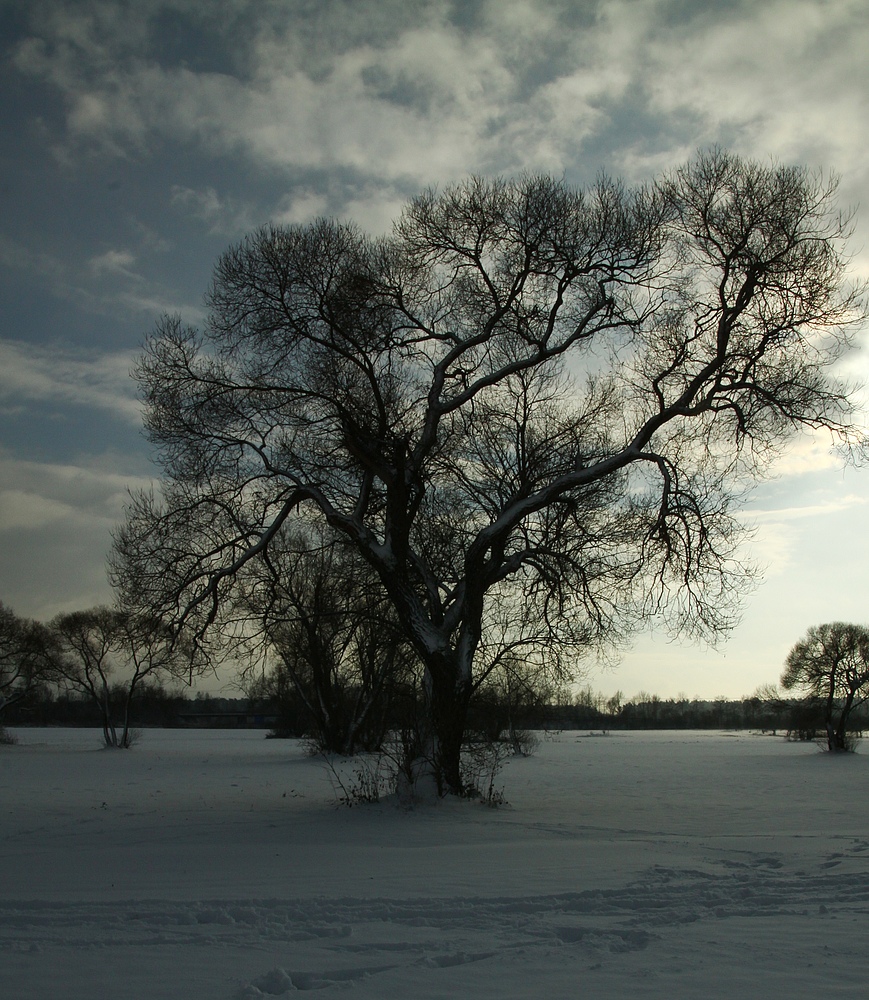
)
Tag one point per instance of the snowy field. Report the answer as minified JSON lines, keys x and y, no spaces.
{"x":216,"y":865}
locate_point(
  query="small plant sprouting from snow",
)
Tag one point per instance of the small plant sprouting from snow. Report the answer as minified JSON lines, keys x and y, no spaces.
{"x":395,"y":771}
{"x":367,"y":781}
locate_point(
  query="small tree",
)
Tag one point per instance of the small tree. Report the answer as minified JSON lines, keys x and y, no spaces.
{"x":316,"y":612}
{"x":105,"y":654}
{"x":831,"y":667}
{"x":23,"y":660}
{"x":514,"y":697}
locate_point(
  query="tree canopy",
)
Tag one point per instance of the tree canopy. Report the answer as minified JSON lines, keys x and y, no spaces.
{"x":530,"y":409}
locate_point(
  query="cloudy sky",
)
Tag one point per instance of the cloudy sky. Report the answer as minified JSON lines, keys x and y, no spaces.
{"x":140,"y":137}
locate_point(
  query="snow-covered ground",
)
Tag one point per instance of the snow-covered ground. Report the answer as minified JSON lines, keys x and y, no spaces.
{"x":216,"y":865}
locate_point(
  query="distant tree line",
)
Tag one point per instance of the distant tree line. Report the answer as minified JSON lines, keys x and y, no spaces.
{"x":493,"y":717}
{"x":335,"y":673}
{"x":766,"y":710}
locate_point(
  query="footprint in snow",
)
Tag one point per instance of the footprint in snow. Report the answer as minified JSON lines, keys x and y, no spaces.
{"x":278,"y":982}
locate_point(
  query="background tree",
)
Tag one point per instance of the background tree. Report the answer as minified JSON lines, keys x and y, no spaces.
{"x":107,"y":654}
{"x":23,"y":662}
{"x":512,"y":699}
{"x":317,"y":614}
{"x":831,"y":665}
{"x":526,"y":392}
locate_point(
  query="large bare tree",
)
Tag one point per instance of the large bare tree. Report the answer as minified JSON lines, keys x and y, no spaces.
{"x":527,"y":395}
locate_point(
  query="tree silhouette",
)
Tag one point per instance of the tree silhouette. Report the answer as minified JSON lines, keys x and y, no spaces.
{"x":831,"y":665}
{"x":527,"y":397}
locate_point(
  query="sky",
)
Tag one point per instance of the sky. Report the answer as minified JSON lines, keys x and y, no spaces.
{"x":141,"y":137}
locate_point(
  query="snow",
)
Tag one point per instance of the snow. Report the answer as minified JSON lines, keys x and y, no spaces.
{"x":216,"y":864}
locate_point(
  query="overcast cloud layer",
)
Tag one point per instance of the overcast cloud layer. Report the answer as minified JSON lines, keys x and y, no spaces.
{"x":141,"y":137}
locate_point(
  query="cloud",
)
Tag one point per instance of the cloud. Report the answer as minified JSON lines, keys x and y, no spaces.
{"x":798,"y":513}
{"x":430,"y":102}
{"x":35,"y":493}
{"x":106,"y":284}
{"x":303,"y":205}
{"x":222,"y":214}
{"x":57,"y":375}
{"x":22,"y":510}
{"x":113,"y":262}
{"x":55,"y":529}
{"x":808,"y":453}
{"x":15,"y":256}
{"x":406,"y":95}
{"x":804,"y":517}
{"x":787,"y":78}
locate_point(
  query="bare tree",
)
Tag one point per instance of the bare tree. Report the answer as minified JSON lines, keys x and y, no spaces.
{"x":512,"y":699}
{"x":105,"y":654}
{"x":23,"y":663}
{"x":831,"y":664}
{"x":525,"y":393}
{"x":316,"y":613}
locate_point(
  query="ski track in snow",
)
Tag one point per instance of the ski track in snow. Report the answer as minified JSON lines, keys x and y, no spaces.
{"x":367,"y":937}
{"x":699,"y":866}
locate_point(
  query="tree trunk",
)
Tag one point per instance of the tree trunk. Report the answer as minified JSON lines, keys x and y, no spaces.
{"x":126,"y":740}
{"x":447,"y":688}
{"x":832,"y":744}
{"x":841,"y":727}
{"x":447,"y":711}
